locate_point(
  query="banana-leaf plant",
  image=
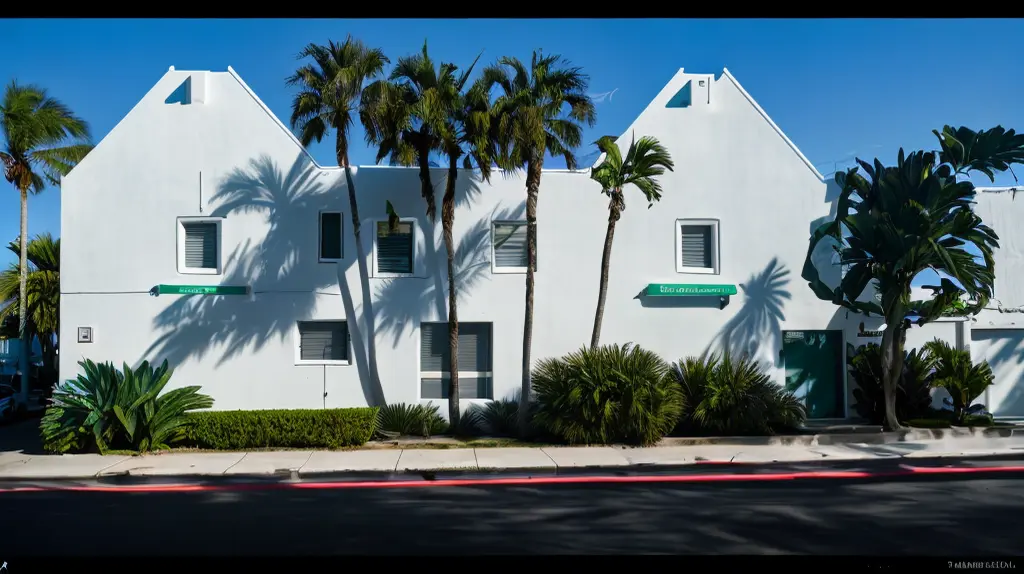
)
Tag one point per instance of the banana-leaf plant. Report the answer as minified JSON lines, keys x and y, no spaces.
{"x":151,"y":420}
{"x":107,"y":408}
{"x":893,"y":222}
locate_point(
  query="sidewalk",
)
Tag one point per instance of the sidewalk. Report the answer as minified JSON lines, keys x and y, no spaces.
{"x":298,"y":464}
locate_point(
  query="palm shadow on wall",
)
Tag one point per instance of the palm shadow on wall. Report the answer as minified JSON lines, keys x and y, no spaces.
{"x":758,"y":323}
{"x":284,"y":266}
{"x":400,"y":302}
{"x":1008,"y":353}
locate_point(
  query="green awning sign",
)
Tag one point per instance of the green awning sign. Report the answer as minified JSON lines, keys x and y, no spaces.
{"x":203,"y":289}
{"x":675,"y":290}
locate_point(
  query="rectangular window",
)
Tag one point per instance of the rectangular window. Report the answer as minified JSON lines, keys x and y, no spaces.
{"x":509,"y":242}
{"x":199,"y":245}
{"x":697,"y":246}
{"x":394,"y":248}
{"x":323,"y":342}
{"x":330,"y":236}
{"x":475,"y":355}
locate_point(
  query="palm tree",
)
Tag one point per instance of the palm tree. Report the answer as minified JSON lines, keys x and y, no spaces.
{"x":539,"y":111}
{"x":898,"y":221}
{"x":645,"y":160}
{"x":329,"y":91}
{"x":421,"y":110}
{"x":43,"y":140}
{"x":42,"y":296}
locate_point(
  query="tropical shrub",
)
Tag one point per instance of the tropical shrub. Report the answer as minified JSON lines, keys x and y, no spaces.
{"x":959,"y":375}
{"x":733,"y":396}
{"x":106,"y":408}
{"x":291,"y":428}
{"x":403,"y":419}
{"x":609,"y":394}
{"x":913,"y":392}
{"x":501,"y":417}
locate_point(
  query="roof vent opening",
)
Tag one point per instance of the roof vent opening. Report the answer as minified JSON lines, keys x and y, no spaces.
{"x":191,"y":91}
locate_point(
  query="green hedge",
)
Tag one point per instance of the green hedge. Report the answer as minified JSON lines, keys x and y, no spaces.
{"x":299,"y":428}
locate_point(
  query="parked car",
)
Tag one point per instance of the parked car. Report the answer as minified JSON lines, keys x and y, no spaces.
{"x":7,"y":402}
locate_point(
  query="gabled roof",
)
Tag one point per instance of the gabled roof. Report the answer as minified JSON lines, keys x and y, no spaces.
{"x":679,"y":80}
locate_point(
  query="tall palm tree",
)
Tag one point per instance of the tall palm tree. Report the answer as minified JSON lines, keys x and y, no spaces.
{"x":421,"y":110}
{"x":329,"y":91}
{"x":539,"y":111}
{"x":42,"y":296}
{"x":894,"y":222}
{"x":645,"y":161}
{"x":43,"y":140}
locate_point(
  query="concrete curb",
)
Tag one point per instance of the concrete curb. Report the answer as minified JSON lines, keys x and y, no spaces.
{"x":484,"y":474}
{"x":861,"y":437}
{"x":594,"y":476}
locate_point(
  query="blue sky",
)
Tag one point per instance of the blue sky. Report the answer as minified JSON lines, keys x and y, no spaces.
{"x":837,"y":88}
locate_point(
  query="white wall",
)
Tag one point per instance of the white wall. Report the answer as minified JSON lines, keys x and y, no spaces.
{"x":997,"y":334}
{"x":228,"y":157}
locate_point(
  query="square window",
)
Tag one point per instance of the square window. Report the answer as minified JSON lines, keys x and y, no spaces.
{"x":475,"y":360}
{"x":697,"y":246}
{"x":394,"y":249}
{"x":508,"y":241}
{"x":331,"y":227}
{"x":323,"y":342}
{"x":199,"y":245}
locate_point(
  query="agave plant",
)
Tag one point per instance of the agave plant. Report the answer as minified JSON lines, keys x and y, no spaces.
{"x":109,"y":408}
{"x":81,"y":411}
{"x":151,"y":420}
{"x":734,"y":396}
{"x":400,"y":419}
{"x":955,"y":372}
{"x":605,"y":395}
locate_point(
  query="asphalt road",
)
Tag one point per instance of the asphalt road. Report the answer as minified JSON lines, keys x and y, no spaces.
{"x":920,"y":517}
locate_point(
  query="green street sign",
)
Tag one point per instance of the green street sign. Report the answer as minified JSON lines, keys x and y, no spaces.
{"x":203,"y":289}
{"x":676,"y":290}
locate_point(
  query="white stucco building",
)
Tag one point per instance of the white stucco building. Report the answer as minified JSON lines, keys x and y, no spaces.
{"x":201,"y":185}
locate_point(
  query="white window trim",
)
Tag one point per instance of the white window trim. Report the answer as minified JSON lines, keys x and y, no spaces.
{"x":320,"y":236}
{"x":373,"y":251}
{"x":297,"y":336}
{"x":715,"y":268}
{"x":494,"y":259}
{"x":180,"y":230}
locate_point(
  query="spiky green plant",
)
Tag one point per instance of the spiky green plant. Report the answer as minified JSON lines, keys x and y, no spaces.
{"x":959,"y":375}
{"x":501,"y":417}
{"x":150,"y":420}
{"x":108,"y":408}
{"x":610,"y":394}
{"x":411,"y":419}
{"x":727,"y":395}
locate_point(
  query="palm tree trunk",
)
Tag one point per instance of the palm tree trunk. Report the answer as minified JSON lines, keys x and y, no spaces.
{"x":892,"y":363}
{"x":447,"y":221}
{"x":23,"y":332}
{"x":533,"y":173}
{"x":364,"y":279}
{"x":606,"y":260}
{"x":426,"y":186}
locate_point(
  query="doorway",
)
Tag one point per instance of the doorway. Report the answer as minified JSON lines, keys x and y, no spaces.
{"x":814,"y":371}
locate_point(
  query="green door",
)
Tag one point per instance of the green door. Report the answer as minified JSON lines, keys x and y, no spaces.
{"x":814,"y":371}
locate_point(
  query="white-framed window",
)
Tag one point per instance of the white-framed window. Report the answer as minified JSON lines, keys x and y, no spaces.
{"x":508,"y":247}
{"x":394,"y":251}
{"x":199,"y":245}
{"x":331,"y":237}
{"x":322,"y":342}
{"x":475,"y":359}
{"x":697,"y":247}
